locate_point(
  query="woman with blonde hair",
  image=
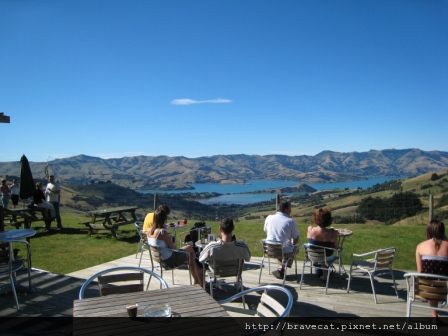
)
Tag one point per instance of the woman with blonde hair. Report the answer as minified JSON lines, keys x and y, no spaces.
{"x":170,"y":257}
{"x":431,"y":255}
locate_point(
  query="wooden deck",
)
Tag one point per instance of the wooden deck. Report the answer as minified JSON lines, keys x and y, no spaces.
{"x":55,"y":293}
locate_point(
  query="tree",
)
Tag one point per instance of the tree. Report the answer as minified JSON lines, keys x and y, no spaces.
{"x":434,"y":177}
{"x":400,"y":205}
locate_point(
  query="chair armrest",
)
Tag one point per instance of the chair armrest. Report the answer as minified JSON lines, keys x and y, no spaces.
{"x":363,"y":254}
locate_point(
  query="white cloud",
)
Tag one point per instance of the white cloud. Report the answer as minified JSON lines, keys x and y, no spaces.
{"x":187,"y":101}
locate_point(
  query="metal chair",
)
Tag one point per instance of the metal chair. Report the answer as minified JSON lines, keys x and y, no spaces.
{"x":154,"y":254}
{"x":108,"y":282}
{"x":9,"y":265}
{"x":223,"y":269}
{"x":275,"y":251}
{"x":427,"y":287}
{"x":143,"y":243}
{"x":317,"y":255}
{"x":268,"y":306}
{"x":373,"y":263}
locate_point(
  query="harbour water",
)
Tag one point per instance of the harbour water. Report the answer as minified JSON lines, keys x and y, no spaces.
{"x":233,"y":193}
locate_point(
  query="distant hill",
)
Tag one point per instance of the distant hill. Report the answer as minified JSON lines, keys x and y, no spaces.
{"x":164,"y":172}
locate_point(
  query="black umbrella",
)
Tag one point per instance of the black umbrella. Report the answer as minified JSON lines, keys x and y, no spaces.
{"x":27,"y":188}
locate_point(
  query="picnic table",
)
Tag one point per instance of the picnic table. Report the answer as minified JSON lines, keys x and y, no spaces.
{"x":110,"y":219}
{"x":26,"y":216}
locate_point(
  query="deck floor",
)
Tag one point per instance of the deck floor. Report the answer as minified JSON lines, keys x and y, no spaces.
{"x":55,"y":293}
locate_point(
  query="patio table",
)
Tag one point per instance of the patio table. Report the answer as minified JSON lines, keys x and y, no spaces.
{"x":186,"y":303}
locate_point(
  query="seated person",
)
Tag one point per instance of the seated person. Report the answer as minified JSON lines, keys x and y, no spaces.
{"x":322,"y":236}
{"x":149,"y":218}
{"x":280,"y":228}
{"x":170,"y":257}
{"x":40,"y":202}
{"x":226,"y":248}
{"x":432,"y":255}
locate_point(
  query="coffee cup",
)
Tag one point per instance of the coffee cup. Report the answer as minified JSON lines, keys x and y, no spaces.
{"x":132,"y":309}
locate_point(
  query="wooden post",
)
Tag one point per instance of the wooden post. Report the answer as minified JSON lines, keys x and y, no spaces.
{"x":431,"y":206}
{"x":156,"y":198}
{"x":277,"y":201}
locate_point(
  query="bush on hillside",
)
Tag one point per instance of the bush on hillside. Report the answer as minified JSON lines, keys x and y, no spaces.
{"x":390,"y":209}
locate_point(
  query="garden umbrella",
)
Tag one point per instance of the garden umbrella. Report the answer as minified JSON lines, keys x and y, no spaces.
{"x":27,"y":188}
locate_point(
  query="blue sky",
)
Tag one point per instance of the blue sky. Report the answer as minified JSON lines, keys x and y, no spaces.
{"x":114,"y":78}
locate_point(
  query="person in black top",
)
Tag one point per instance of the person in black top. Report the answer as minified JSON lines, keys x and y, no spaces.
{"x":39,"y":201}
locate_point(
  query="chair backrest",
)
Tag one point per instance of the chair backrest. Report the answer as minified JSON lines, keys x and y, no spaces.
{"x":272,"y":250}
{"x":154,"y":252}
{"x":317,"y":254}
{"x":268,"y":306}
{"x":384,"y":259}
{"x":141,"y":233}
{"x":226,"y":268}
{"x":428,"y":286}
{"x":108,"y":283}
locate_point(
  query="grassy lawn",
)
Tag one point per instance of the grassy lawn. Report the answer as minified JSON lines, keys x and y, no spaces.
{"x":72,"y":249}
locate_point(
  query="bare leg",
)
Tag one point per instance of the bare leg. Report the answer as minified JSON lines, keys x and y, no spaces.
{"x":196,"y":272}
{"x":433,"y":303}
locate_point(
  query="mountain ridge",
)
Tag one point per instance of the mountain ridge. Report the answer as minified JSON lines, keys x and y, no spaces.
{"x":178,"y":172}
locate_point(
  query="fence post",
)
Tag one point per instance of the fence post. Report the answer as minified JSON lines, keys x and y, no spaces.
{"x":431,"y":206}
{"x":156,"y":198}
{"x":277,"y":201}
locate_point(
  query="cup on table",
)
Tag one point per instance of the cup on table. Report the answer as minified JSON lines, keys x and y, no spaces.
{"x":132,"y":309}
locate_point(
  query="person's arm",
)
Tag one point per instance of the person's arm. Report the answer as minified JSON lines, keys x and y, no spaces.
{"x":166,"y":238}
{"x":418,"y":259}
{"x":308,"y":232}
{"x":335,"y":239}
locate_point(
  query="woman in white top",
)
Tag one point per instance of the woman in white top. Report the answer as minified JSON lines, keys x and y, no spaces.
{"x":170,"y":257}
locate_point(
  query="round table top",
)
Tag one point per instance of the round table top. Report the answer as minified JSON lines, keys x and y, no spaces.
{"x":16,"y":234}
{"x":344,"y":232}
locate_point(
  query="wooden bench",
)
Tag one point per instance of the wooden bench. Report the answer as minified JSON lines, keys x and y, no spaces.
{"x":26,"y":216}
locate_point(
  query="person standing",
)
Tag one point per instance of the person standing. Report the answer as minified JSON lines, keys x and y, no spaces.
{"x":6,"y":194}
{"x":280,"y":228}
{"x":53,"y":193}
{"x":41,"y":203}
{"x":15,"y":191}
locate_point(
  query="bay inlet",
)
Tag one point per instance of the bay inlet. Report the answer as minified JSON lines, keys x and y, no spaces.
{"x":235,"y":193}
